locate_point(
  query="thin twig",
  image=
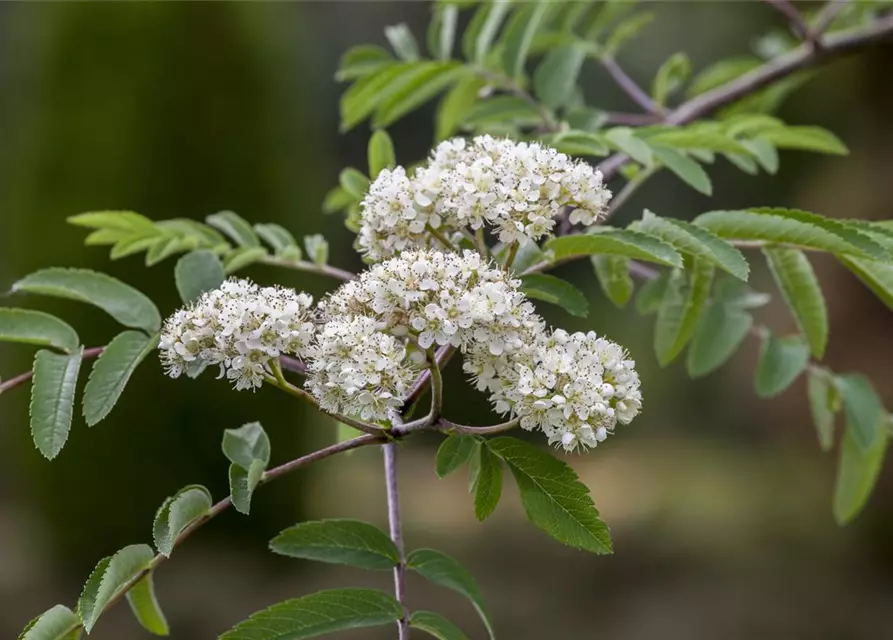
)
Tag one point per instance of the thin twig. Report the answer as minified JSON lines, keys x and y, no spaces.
{"x":393,"y":491}
{"x":630,"y":87}
{"x":22,"y":378}
{"x":436,"y":387}
{"x":310,"y":267}
{"x":443,"y":355}
{"x":446,"y":425}
{"x":632,"y":119}
{"x":826,"y":17}
{"x":793,"y":15}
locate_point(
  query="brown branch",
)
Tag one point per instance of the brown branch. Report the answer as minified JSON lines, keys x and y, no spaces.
{"x":630,"y":88}
{"x":22,"y":378}
{"x":793,"y":15}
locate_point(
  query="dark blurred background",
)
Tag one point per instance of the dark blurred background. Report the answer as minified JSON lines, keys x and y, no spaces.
{"x":719,"y":503}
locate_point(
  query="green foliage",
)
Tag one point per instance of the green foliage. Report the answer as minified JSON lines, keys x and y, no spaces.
{"x":436,"y":625}
{"x":865,"y":415}
{"x":197,"y":272}
{"x":651,"y":294}
{"x":684,"y":167}
{"x":616,"y":242}
{"x":519,"y":34}
{"x":381,"y":153}
{"x":109,"y":579}
{"x":613,"y":276}
{"x":57,"y":623}
{"x":145,"y":607}
{"x":37,"y":328}
{"x":235,"y":227}
{"x":681,"y":308}
{"x":556,"y":291}
{"x":801,"y":290}
{"x":243,"y":482}
{"x":176,"y":513}
{"x":52,"y":399}
{"x":112,"y":370}
{"x":350,"y":542}
{"x":444,"y":571}
{"x":554,"y":498}
{"x":877,"y":276}
{"x":671,"y":76}
{"x":782,"y":360}
{"x":857,"y":473}
{"x":824,"y":403}
{"x":317,"y":248}
{"x":454,"y":452}
{"x":556,"y":76}
{"x":487,"y":483}
{"x":806,"y":139}
{"x":248,"y":449}
{"x":319,"y":614}
{"x":721,"y":330}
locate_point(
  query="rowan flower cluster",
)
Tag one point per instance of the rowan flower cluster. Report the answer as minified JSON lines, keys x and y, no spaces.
{"x":515,"y":188}
{"x":239,"y":326}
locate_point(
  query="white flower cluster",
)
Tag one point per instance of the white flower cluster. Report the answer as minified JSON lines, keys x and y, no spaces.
{"x":517,"y":188}
{"x":240,"y":327}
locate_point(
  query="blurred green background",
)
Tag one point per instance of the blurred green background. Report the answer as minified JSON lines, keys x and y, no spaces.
{"x":719,"y":503}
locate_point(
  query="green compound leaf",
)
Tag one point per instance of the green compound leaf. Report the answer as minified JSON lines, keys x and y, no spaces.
{"x":487,"y":485}
{"x":436,"y":625}
{"x":350,"y":542}
{"x":246,"y":444}
{"x":617,"y":242}
{"x":864,"y":411}
{"x":857,"y":474}
{"x":824,"y":404}
{"x":453,"y":452}
{"x":111,"y":372}
{"x":52,"y":399}
{"x":553,"y":496}
{"x":58,"y":623}
{"x":613,"y":276}
{"x":243,"y":482}
{"x":37,"y":328}
{"x":800,"y":288}
{"x":720,"y":332}
{"x":196,"y":273}
{"x":680,"y":310}
{"x":235,"y":227}
{"x":145,"y":607}
{"x":381,"y":153}
{"x":177,"y":512}
{"x":782,"y":360}
{"x":445,"y":571}
{"x":555,"y":291}
{"x":121,"y":301}
{"x":319,"y":614}
{"x":109,"y":577}
{"x":688,"y":170}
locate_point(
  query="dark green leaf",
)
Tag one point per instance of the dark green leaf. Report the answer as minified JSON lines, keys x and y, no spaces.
{"x":178,"y":512}
{"x":680,"y":310}
{"x":198,"y":272}
{"x":426,"y":82}
{"x":720,"y":332}
{"x":722,"y":72}
{"x":697,"y":139}
{"x":58,"y":623}
{"x":381,"y":153}
{"x":453,"y":452}
{"x":112,"y":372}
{"x":366,"y":94}
{"x":487,"y":484}
{"x":52,"y":399}
{"x":246,"y":444}
{"x":617,"y":242}
{"x":613,"y":276}
{"x":865,"y":414}
{"x":800,"y":289}
{"x":556,"y":291}
{"x":37,"y":328}
{"x":823,"y":405}
{"x":782,"y":360}
{"x":857,"y":473}
{"x":556,"y":76}
{"x":578,"y":143}
{"x":502,"y":110}
{"x":109,"y":577}
{"x":684,"y":167}
{"x":435,"y":625}
{"x":519,"y":34}
{"x":242,"y":484}
{"x":350,"y":542}
{"x":145,"y":607}
{"x":651,"y":294}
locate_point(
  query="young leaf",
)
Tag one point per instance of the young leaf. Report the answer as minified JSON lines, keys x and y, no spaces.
{"x":823,"y":405}
{"x":52,"y":399}
{"x":280,"y":239}
{"x":361,"y":61}
{"x":445,"y":571}
{"x":556,"y":291}
{"x":781,"y":361}
{"x":864,"y":412}
{"x":235,"y":227}
{"x":453,"y":452}
{"x":403,"y":42}
{"x":651,"y":294}
{"x":721,"y":72}
{"x":455,"y":105}
{"x":145,"y":606}
{"x":613,"y":276}
{"x":626,"y":30}
{"x":381,"y":153}
{"x":482,"y":30}
{"x":518,"y":36}
{"x":426,"y":82}
{"x":127,"y":221}
{"x":243,"y":482}
{"x":246,"y":444}
{"x":178,"y":512}
{"x":877,"y":276}
{"x":720,"y":332}
{"x":442,"y":31}
{"x":366,"y":94}
{"x":684,"y":167}
{"x":196,"y":273}
{"x":800,"y":288}
{"x":617,"y":242}
{"x":163,"y":248}
{"x":243,"y":257}
{"x":109,"y":577}
{"x":319,"y":614}
{"x":857,"y":473}
{"x":111,"y":372}
{"x":58,"y":623}
{"x":350,"y":542}
{"x":435,"y":625}
{"x":553,"y":496}
{"x":696,"y":242}
{"x":487,"y":484}
{"x":37,"y":328}
{"x":354,"y":182}
{"x":680,"y":310}
{"x":555,"y":78}
{"x":670,"y":77}
{"x":807,"y":139}
{"x":121,"y":301}
{"x":317,"y":248}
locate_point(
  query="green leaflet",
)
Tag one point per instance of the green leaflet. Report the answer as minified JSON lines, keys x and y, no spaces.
{"x":695,"y":138}
{"x":58,"y":623}
{"x":243,"y":257}
{"x":380,"y":153}
{"x":354,"y":182}
{"x":317,"y":248}
{"x":124,"y":221}
{"x":556,"y":291}
{"x":684,"y":167}
{"x":364,"y":95}
{"x":454,"y":451}
{"x":243,"y":482}
{"x":556,"y":76}
{"x":145,"y":607}
{"x":877,"y":276}
{"x":109,"y":577}
{"x":857,"y":473}
{"x":445,"y":571}
{"x":176,"y":513}
{"x":425,"y":82}
{"x":402,"y":42}
{"x":681,"y":308}
{"x":613,"y":276}
{"x":865,"y":414}
{"x":554,"y":498}
{"x":625,"y":139}
{"x":121,"y":301}
{"x":578,"y":143}
{"x":626,"y":29}
{"x":455,"y":105}
{"x":824,"y":403}
{"x":349,"y":542}
{"x":319,"y":614}
{"x":720,"y":332}
{"x":234,"y":226}
{"x":362,"y":60}
{"x":764,"y":152}
{"x":436,"y":625}
{"x":37,"y":328}
{"x":618,"y":242}
{"x":442,"y":31}
{"x":163,"y":248}
{"x":806,"y":139}
{"x":670,"y":77}
{"x":518,"y":36}
{"x":111,"y":372}
{"x":482,"y":30}
{"x":487,"y":484}
{"x":196,"y":273}
{"x":652,"y":293}
{"x":280,"y":240}
{"x":246,"y":444}
{"x":52,"y":399}
{"x":800,"y":288}
{"x":782,"y":360}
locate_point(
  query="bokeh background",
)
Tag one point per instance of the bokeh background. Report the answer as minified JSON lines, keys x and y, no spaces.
{"x":719,"y":503}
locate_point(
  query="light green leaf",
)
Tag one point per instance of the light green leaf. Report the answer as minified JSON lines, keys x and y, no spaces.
{"x":242,"y":484}
{"x":429,"y":79}
{"x":442,"y":31}
{"x":824,"y":403}
{"x":246,"y":444}
{"x":189,"y":504}
{"x":652,"y":294}
{"x":361,"y":61}
{"x":52,"y":399}
{"x":445,"y":571}
{"x":243,"y":257}
{"x":381,"y":153}
{"x":280,"y":239}
{"x":196,"y":273}
{"x":455,"y":105}
{"x":354,"y":182}
{"x":502,"y":110}
{"x":613,"y":276}
{"x":670,"y":77}
{"x":556,"y":291}
{"x":350,"y":542}
{"x":317,"y":248}
{"x":684,"y":167}
{"x":487,"y":484}
{"x":695,"y":241}
{"x":864,"y":412}
{"x":37,"y":328}
{"x":435,"y":625}
{"x":680,"y":310}
{"x":111,"y":372}
{"x":877,"y":276}
{"x":126,"y":221}
{"x":453,"y":452}
{"x":806,"y":139}
{"x":556,"y":76}
{"x":518,"y":36}
{"x":624,"y":139}
{"x":722,"y":72}
{"x":625,"y":30}
{"x":857,"y":474}
{"x":163,"y":248}
{"x":782,"y":360}
{"x":109,"y":577}
{"x":554,"y":498}
{"x":482,"y":30}
{"x":764,"y":152}
{"x":105,"y":237}
{"x":131,"y":246}
{"x":578,"y":143}
{"x":366,"y":94}
{"x":697,"y":139}
{"x":747,"y":164}
{"x":337,"y":199}
{"x":234,"y":226}
{"x":800,"y":289}
{"x":145,"y":607}
{"x":403,"y":42}
{"x":720,"y":332}
{"x":121,"y":301}
{"x":58,"y":623}
{"x":319,"y":614}
{"x":617,"y":242}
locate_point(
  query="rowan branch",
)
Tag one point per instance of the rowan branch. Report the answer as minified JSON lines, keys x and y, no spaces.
{"x":630,"y":87}
{"x":22,"y":378}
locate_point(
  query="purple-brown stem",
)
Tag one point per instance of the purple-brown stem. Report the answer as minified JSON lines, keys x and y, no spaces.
{"x":396,"y":529}
{"x":22,"y":378}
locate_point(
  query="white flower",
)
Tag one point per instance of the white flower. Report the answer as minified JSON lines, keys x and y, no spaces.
{"x":241,"y":327}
